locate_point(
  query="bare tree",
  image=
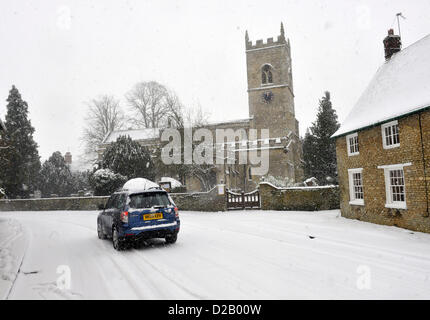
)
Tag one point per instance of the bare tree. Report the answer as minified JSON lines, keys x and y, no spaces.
{"x":174,"y":110}
{"x":155,"y":106}
{"x":195,"y":117}
{"x":104,"y":115}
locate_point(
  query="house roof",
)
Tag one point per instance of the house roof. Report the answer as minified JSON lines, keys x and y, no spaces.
{"x":135,"y":134}
{"x":400,"y":86}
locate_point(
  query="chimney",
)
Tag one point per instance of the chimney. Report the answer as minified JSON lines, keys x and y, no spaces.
{"x":392,"y":44}
{"x":68,"y":158}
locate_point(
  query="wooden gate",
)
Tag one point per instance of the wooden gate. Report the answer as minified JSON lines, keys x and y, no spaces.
{"x":250,"y":200}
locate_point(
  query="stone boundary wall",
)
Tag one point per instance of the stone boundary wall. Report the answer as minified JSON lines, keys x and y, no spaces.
{"x":199,"y":201}
{"x":272,"y":198}
{"x":300,"y":198}
{"x":47,"y":204}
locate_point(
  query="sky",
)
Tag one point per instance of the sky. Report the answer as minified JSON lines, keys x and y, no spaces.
{"x":61,"y":54}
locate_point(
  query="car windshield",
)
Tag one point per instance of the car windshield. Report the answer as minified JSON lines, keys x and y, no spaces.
{"x":149,"y":200}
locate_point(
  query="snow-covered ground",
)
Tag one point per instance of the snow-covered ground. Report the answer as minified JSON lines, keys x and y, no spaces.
{"x":233,"y":255}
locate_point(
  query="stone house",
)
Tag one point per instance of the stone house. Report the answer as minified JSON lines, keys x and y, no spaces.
{"x":383,"y":146}
{"x":271,"y":106}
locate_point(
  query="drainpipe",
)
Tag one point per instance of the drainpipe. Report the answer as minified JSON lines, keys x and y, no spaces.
{"x":424,"y":166}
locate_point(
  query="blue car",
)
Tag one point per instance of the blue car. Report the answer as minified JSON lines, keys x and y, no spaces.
{"x":131,"y":216}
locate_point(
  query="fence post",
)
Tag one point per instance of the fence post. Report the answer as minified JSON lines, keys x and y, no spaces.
{"x":243,"y":199}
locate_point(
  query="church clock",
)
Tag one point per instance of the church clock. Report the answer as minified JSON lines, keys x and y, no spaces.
{"x":267,"y":96}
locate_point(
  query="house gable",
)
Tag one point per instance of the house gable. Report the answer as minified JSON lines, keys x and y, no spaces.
{"x":400,"y":87}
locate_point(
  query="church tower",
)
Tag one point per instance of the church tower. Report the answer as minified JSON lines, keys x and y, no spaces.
{"x":271,"y":99}
{"x":270,"y":85}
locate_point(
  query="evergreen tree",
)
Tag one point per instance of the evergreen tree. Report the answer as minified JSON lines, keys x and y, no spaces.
{"x":20,"y":162}
{"x":129,"y":158}
{"x":81,"y":181}
{"x":319,"y":150}
{"x":55,"y":177}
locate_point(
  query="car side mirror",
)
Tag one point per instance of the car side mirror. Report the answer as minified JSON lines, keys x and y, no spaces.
{"x":101,"y":206}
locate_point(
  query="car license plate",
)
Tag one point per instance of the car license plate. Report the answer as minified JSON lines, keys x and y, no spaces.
{"x":153,"y":216}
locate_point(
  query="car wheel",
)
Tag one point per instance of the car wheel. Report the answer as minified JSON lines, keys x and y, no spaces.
{"x":100,"y":232}
{"x":117,"y":244}
{"x":171,"y":239}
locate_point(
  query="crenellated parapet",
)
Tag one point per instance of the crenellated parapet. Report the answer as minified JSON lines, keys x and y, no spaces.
{"x":270,"y":42}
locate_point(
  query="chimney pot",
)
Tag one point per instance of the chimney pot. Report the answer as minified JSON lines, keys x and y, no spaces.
{"x":392,"y":44}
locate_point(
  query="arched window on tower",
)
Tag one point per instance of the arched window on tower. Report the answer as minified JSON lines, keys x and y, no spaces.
{"x":266,"y":74}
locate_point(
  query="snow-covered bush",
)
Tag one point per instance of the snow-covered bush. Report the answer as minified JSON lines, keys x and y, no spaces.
{"x":311,"y":182}
{"x":105,"y":181}
{"x":280,"y":182}
{"x":2,"y":193}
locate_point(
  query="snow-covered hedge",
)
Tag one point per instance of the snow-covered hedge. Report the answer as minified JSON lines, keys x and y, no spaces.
{"x":2,"y":193}
{"x":280,"y":182}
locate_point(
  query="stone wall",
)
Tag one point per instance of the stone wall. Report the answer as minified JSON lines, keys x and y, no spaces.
{"x":303,"y":198}
{"x":272,"y":198}
{"x":200,"y":201}
{"x":46,"y":204}
{"x":372,"y":154}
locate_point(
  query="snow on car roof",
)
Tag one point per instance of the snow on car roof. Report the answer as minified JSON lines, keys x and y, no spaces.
{"x":135,"y":134}
{"x":400,"y":86}
{"x":138,"y":185}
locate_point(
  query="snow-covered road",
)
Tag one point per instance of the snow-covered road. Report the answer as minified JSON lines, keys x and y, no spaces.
{"x":233,"y":255}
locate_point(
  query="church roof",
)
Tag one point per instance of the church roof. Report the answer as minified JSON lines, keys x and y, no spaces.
{"x":154,"y":133}
{"x":229,"y":122}
{"x":135,"y":134}
{"x":400,"y":86}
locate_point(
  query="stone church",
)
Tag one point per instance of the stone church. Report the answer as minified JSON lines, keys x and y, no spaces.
{"x":271,"y":106}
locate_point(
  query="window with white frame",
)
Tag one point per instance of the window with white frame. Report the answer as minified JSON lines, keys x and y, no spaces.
{"x":356,"y":193}
{"x":352,"y":144}
{"x":390,"y":135}
{"x":395,"y":187}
